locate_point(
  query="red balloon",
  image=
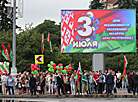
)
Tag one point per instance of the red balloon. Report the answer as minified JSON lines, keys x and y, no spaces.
{"x":60,"y":64}
{"x":54,"y":65}
{"x":69,"y":65}
{"x":0,"y":72}
{"x":36,"y":65}
{"x":32,"y":65}
{"x":54,"y":68}
{"x":65,"y":68}
{"x":59,"y":69}
{"x":32,"y":69}
{"x":37,"y":69}
{"x":6,"y":72}
{"x":68,"y":70}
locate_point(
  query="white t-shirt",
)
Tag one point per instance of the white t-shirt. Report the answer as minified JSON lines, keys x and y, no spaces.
{"x":4,"y":78}
{"x":118,"y":75}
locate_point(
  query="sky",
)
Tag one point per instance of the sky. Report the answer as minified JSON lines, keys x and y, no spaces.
{"x":36,"y":11}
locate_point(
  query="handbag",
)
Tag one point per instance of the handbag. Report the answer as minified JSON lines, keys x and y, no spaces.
{"x":38,"y":88}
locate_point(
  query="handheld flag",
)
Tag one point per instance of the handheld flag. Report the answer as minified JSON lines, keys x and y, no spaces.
{"x":77,"y":76}
{"x":125,"y":65}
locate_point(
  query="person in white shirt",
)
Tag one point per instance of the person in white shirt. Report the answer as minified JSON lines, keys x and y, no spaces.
{"x":4,"y":78}
{"x":51,"y":83}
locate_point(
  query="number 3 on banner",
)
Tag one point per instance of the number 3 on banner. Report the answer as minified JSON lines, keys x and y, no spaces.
{"x":88,"y":28}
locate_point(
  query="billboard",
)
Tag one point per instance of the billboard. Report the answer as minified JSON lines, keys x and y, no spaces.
{"x":98,"y":31}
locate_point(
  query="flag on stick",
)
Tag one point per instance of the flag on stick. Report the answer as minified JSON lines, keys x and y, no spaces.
{"x":5,"y":52}
{"x":50,"y":45}
{"x":125,"y":65}
{"x":77,"y":76}
{"x":42,"y":43}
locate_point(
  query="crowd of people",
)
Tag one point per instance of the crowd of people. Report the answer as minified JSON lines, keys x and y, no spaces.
{"x":88,"y":82}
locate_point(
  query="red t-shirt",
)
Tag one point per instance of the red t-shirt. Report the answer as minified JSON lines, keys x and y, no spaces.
{"x":96,"y":77}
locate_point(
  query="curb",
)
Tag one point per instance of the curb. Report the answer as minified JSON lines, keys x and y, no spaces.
{"x":69,"y":96}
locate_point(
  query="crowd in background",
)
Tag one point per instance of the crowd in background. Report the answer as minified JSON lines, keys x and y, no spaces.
{"x":90,"y":82}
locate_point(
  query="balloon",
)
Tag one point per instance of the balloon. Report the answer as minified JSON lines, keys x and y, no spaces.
{"x":32,"y":69}
{"x":64,"y":71}
{"x":70,"y":68}
{"x":51,"y":62}
{"x":32,"y":72}
{"x":0,"y":72}
{"x":6,"y":72}
{"x":36,"y":65}
{"x":37,"y":69}
{"x":67,"y":67}
{"x":54,"y":68}
{"x":49,"y":65}
{"x":59,"y":69}
{"x":49,"y":69}
{"x":54,"y":65}
{"x":32,"y":65}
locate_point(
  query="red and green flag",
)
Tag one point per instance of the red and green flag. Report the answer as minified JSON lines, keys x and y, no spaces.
{"x":6,"y":53}
{"x":125,"y":65}
{"x":42,"y":43}
{"x":50,"y":45}
{"x":79,"y":71}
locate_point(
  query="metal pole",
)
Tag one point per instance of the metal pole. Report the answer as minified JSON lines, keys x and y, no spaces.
{"x":13,"y":69}
{"x":39,"y":69}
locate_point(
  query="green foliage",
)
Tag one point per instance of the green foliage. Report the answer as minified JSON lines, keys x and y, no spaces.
{"x":96,"y":5}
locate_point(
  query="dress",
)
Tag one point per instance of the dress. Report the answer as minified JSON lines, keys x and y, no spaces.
{"x":18,"y":84}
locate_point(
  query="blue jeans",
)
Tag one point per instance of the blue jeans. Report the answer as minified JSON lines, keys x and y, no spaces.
{"x":91,"y":87}
{"x":109,"y":88}
{"x":114,"y":85}
{"x":124,"y":84}
{"x":56,"y":89}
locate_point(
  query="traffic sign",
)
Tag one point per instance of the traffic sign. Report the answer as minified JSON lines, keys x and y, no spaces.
{"x":39,"y":59}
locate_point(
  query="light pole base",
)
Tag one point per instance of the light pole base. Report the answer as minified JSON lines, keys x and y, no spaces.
{"x":14,"y":74}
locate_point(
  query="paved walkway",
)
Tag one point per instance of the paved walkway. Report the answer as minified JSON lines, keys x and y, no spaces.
{"x":119,"y":94}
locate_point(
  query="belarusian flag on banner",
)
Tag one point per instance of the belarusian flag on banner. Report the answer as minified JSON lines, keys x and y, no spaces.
{"x":42,"y":43}
{"x":79,"y":71}
{"x":125,"y":65}
{"x":4,"y":67}
{"x":50,"y":45}
{"x":10,"y":51}
{"x":5,"y":52}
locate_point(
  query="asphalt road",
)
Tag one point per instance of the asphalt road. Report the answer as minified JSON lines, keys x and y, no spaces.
{"x":71,"y":99}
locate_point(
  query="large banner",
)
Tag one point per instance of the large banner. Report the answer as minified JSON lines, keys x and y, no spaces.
{"x":98,"y":31}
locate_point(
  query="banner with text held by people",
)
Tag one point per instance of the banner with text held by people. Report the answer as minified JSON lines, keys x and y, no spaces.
{"x":98,"y":31}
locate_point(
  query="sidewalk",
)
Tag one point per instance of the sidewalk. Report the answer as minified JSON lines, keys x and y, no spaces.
{"x":119,"y":94}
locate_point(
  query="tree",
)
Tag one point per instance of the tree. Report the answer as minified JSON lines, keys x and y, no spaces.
{"x":96,"y":5}
{"x":6,"y":22}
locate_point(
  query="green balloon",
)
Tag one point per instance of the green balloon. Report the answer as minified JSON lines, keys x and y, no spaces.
{"x":61,"y":67}
{"x":32,"y":72}
{"x":57,"y":71}
{"x":64,"y":71}
{"x":52,"y":70}
{"x":49,"y":69}
{"x":67,"y":67}
{"x":49,"y":65}
{"x":35,"y":71}
{"x":57,"y":67}
{"x":51,"y":62}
